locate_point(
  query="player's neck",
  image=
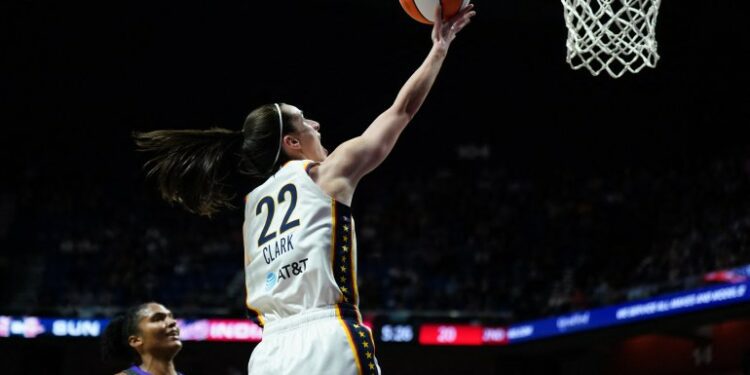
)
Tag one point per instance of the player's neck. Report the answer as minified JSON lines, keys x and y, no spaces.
{"x":158,"y":366}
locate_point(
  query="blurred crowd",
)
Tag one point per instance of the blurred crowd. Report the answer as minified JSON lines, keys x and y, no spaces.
{"x":469,"y":236}
{"x":482,"y":240}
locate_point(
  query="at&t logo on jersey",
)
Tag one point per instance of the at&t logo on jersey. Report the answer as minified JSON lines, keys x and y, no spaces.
{"x":285,"y":272}
{"x":270,"y":280}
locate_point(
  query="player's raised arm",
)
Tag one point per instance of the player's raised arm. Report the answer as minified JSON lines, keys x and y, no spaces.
{"x":342,"y":170}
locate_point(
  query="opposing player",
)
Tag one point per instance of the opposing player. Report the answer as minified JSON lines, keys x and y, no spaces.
{"x":145,"y":336}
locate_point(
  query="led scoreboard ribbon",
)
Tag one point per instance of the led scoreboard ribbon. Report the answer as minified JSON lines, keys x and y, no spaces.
{"x":427,"y":333}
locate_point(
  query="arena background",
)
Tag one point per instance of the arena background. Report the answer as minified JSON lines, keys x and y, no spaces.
{"x":518,"y":171}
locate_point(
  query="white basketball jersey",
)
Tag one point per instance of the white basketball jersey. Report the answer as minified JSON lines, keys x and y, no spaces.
{"x":300,"y":247}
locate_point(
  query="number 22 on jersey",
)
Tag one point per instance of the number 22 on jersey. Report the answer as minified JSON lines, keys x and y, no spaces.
{"x":288,"y":191}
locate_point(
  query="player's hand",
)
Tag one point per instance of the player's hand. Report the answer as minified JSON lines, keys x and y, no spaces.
{"x":443,"y":32}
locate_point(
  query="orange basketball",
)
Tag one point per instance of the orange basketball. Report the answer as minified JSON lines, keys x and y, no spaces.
{"x":424,"y":10}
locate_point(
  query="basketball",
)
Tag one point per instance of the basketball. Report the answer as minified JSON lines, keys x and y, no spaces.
{"x":424,"y":10}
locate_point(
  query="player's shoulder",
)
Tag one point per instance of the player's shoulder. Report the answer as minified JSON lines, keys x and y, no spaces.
{"x":301,"y":167}
{"x":297,"y":164}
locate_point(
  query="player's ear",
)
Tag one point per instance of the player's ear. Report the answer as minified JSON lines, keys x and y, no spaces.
{"x":291,"y":142}
{"x":135,"y":341}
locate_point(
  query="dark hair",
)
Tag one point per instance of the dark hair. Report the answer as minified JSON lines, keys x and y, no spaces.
{"x":114,"y":342}
{"x":194,"y":167}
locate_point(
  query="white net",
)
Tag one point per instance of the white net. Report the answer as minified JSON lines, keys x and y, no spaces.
{"x":612,"y":35}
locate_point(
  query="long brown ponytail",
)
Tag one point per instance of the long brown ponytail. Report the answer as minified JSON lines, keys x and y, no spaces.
{"x":193,"y":167}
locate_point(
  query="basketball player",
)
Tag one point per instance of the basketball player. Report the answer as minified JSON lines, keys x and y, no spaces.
{"x":299,"y":235}
{"x":147,"y":336}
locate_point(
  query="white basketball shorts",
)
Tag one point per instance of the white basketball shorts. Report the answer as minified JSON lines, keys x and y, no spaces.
{"x":319,"y":341}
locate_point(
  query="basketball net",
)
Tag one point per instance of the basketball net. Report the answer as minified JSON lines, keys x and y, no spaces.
{"x":612,"y":35}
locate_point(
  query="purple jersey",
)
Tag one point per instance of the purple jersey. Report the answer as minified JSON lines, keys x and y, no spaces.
{"x":135,"y":370}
